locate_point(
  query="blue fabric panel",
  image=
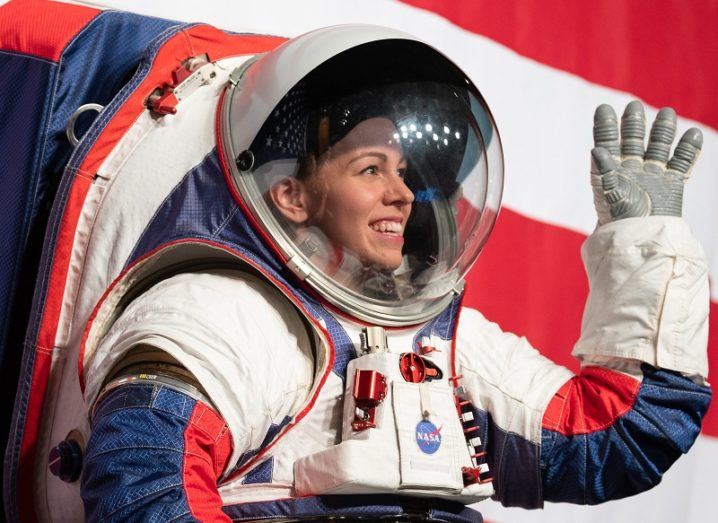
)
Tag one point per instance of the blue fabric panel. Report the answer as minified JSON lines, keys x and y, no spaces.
{"x":199,"y":206}
{"x":133,"y":462}
{"x":25,"y":87}
{"x":23,"y":112}
{"x":442,"y":326}
{"x":631,"y":455}
{"x":93,"y":68}
{"x":262,"y":473}
{"x":37,"y":100}
{"x":272,"y":433}
{"x":202,"y":207}
{"x":513,"y":461}
{"x":371,"y":507}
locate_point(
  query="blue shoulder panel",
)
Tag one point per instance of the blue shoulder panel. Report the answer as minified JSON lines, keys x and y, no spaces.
{"x":133,"y":463}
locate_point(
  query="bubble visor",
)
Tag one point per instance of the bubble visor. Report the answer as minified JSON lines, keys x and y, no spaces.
{"x":257,"y":91}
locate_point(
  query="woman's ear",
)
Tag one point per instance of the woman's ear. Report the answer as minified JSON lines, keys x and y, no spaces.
{"x":288,"y":195}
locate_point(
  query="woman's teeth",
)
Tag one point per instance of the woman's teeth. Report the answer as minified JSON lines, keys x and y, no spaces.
{"x":386,"y":226}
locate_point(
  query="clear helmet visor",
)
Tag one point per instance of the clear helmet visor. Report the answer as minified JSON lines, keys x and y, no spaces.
{"x":382,"y":171}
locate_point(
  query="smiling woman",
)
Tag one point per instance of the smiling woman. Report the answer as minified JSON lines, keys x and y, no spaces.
{"x":380,"y":188}
{"x":356,"y":194}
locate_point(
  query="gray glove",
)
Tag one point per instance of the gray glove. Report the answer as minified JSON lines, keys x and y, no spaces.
{"x":630,"y":181}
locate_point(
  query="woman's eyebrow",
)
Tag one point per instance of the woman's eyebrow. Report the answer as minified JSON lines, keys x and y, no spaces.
{"x":383,"y":157}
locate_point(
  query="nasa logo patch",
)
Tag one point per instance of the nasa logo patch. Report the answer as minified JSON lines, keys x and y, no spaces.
{"x":428,"y":437}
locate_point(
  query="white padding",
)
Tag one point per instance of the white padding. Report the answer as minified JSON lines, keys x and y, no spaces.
{"x":442,"y":468}
{"x":504,"y":375}
{"x":352,"y":467}
{"x":243,"y":341}
{"x":649,"y":295}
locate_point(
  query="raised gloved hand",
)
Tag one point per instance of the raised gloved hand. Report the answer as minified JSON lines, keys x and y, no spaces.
{"x":630,"y":181}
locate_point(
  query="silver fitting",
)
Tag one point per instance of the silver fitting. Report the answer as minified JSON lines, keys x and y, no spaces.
{"x":373,"y":340}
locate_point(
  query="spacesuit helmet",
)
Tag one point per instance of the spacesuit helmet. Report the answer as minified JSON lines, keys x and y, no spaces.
{"x":371,"y":163}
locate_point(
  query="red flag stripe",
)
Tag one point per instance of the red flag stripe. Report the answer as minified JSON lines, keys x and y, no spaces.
{"x":531,"y":281}
{"x":647,"y":50}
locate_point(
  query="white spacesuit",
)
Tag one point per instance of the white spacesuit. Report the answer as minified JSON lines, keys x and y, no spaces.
{"x":304,"y":354}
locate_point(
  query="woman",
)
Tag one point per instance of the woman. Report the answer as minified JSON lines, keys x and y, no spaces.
{"x":373,"y":184}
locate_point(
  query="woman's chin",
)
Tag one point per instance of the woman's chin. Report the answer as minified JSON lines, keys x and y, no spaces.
{"x":385,"y":263}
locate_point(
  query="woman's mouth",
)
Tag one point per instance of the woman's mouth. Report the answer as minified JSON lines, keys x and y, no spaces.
{"x":388,"y":228}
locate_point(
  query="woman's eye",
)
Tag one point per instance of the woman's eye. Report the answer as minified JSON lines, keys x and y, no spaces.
{"x":371,"y":169}
{"x":401,"y":172}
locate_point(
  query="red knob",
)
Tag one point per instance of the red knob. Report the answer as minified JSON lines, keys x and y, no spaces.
{"x":412,"y":367}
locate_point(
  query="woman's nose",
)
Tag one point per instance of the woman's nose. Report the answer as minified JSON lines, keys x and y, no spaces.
{"x":397,"y":192}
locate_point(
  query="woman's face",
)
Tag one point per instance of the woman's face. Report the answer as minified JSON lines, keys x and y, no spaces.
{"x":357,"y":195}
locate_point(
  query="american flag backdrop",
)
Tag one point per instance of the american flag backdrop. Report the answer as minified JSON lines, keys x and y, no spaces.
{"x":543,"y":67}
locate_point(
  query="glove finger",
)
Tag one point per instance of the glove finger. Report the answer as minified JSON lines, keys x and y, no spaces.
{"x":602,"y":161}
{"x":662,"y":134}
{"x":605,"y":128}
{"x":687,"y":151}
{"x":633,"y":130}
{"x":627,"y":199}
{"x":615,"y":189}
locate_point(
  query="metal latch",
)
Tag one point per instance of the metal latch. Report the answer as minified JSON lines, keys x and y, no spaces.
{"x":190,"y":75}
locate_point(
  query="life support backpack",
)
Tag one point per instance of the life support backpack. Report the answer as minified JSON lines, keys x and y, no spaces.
{"x":55,"y":58}
{"x":58,"y":58}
